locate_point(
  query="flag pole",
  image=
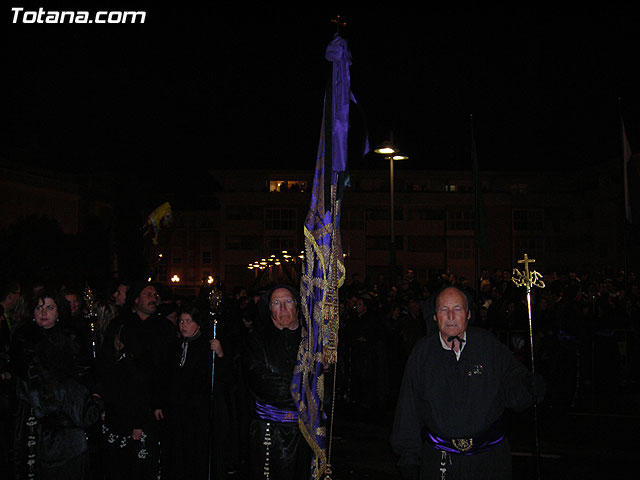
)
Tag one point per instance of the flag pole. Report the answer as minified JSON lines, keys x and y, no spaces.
{"x":625,"y":152}
{"x":475,"y":212}
{"x":479,"y":220}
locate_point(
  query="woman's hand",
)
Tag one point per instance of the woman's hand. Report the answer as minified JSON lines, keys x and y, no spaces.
{"x":216,"y":346}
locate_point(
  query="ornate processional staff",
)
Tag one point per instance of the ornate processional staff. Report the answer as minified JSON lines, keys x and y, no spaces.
{"x":215,"y":300}
{"x":89,"y":300}
{"x":527,"y":280}
{"x":530,"y":279}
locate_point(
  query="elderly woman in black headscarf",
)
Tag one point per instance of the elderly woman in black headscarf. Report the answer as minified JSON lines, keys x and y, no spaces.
{"x":188,"y":410}
{"x":54,"y":407}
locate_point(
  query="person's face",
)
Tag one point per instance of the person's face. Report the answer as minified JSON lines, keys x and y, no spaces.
{"x":361,"y":307}
{"x":188,"y":328}
{"x":284,"y":310}
{"x":74,"y":303}
{"x":46,"y":313}
{"x":147,"y":301}
{"x":120,"y":295}
{"x":452,"y":313}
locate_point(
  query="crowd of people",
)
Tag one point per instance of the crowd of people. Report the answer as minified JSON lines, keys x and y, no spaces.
{"x":109,"y":387}
{"x":586,"y":330}
{"x":134,"y":383}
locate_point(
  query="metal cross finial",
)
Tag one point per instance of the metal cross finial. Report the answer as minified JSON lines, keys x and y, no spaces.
{"x":528,"y":278}
{"x":339,"y":23}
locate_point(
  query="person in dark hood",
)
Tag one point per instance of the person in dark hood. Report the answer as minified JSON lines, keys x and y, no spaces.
{"x":188,"y":404}
{"x":276,"y":444}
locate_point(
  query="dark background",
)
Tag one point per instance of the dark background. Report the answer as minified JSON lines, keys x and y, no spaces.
{"x":215,"y":87}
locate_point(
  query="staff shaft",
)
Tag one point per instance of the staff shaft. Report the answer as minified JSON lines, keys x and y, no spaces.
{"x":213,"y":362}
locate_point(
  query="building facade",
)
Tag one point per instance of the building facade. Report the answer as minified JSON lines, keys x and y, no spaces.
{"x":563,"y":220}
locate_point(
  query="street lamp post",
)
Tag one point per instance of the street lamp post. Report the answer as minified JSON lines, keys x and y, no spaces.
{"x":391,"y":153}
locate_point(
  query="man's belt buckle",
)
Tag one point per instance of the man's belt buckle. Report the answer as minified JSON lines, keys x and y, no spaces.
{"x":462,"y":444}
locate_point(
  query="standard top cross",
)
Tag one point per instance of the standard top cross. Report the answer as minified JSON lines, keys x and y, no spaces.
{"x":339,"y":23}
{"x":528,"y":278}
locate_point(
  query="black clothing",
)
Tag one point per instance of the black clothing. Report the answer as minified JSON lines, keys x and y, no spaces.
{"x":457,"y":399}
{"x":126,"y":394}
{"x":144,"y":373}
{"x":54,"y":408}
{"x":271,"y":359}
{"x":7,"y":392}
{"x":276,"y":446}
{"x":81,"y":327}
{"x":187,"y":414}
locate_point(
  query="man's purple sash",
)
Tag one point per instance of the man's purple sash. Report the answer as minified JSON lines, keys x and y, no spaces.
{"x":470,"y":446}
{"x":273,"y":414}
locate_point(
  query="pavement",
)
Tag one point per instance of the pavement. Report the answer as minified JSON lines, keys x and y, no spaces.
{"x":594,"y":438}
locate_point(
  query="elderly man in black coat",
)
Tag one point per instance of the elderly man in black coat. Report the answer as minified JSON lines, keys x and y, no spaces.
{"x":277,"y":448}
{"x":455,"y":389}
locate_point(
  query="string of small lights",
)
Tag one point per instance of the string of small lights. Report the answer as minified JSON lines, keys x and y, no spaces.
{"x":275,"y":260}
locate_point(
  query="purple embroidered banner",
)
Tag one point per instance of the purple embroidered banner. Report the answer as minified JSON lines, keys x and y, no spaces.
{"x":323,"y":268}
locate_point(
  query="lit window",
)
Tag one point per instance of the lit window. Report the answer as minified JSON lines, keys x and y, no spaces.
{"x":287,"y":186}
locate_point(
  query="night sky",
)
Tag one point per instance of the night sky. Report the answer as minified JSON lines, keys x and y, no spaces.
{"x":216,"y":88}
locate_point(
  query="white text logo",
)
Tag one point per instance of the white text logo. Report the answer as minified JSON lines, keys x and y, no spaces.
{"x":43,"y":16}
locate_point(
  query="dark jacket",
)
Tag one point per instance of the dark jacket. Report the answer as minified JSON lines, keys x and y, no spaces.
{"x":54,"y":407}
